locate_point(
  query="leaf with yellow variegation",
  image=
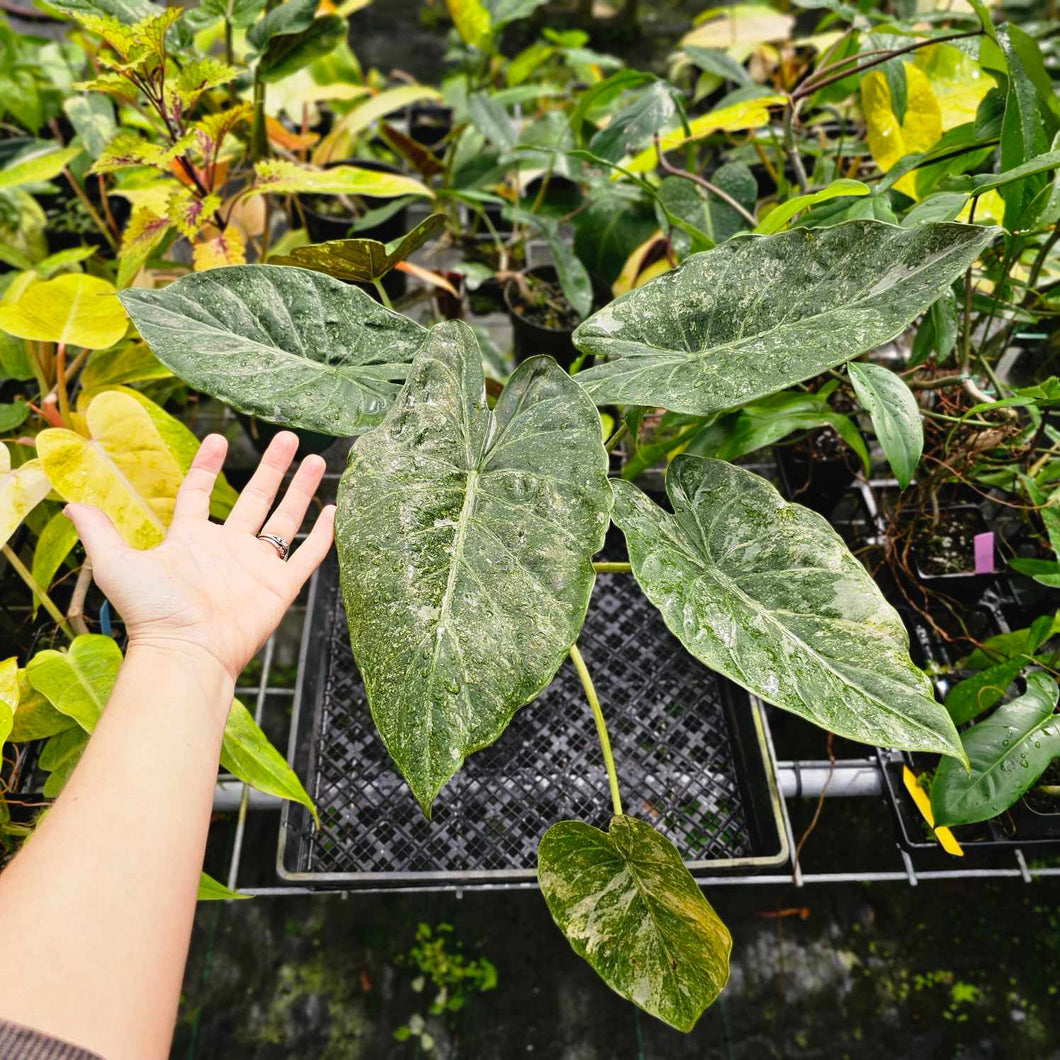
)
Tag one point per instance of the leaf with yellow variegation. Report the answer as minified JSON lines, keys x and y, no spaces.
{"x":129,"y":149}
{"x":278,"y":176}
{"x":472,"y":21}
{"x":215,"y":127}
{"x":76,"y":309}
{"x":21,"y":490}
{"x":957,"y":80}
{"x":889,"y":139}
{"x":9,"y":695}
{"x":125,"y":467}
{"x":739,"y":29}
{"x":189,"y":213}
{"x":142,"y":234}
{"x":181,"y":442}
{"x":749,"y":114}
{"x":226,"y":248}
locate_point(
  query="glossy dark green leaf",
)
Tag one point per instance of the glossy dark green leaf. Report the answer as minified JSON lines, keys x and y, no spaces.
{"x":292,"y":346}
{"x":971,"y":697}
{"x":1008,"y":752}
{"x":465,"y":539}
{"x":13,"y":415}
{"x":766,"y":593}
{"x":615,"y":222}
{"x":627,"y":904}
{"x":757,"y":314}
{"x":286,"y":54}
{"x":292,"y":16}
{"x":362,"y":260}
{"x":895,"y":416}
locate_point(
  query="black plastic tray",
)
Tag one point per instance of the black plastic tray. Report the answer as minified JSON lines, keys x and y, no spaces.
{"x":690,"y":748}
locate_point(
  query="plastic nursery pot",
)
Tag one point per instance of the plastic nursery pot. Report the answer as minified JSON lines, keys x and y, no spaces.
{"x":541,"y":329}
{"x":261,"y":432}
{"x":817,"y":471}
{"x":943,"y":551}
{"x":561,"y":195}
{"x":451,"y":307}
{"x":429,"y":123}
{"x":326,"y":219}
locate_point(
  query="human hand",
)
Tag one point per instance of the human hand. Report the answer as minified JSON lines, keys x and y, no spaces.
{"x":214,"y":591}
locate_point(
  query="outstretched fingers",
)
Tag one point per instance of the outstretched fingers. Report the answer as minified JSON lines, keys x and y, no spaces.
{"x":193,"y":498}
{"x":310,"y":553}
{"x":101,"y":540}
{"x":286,"y":520}
{"x":254,"y":502}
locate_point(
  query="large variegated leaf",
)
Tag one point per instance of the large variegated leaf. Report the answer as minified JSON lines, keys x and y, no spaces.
{"x":465,"y":539}
{"x":21,"y":490}
{"x":628,"y":905}
{"x":76,"y":309}
{"x":766,"y":593}
{"x":1008,"y":752}
{"x":760,"y":313}
{"x":125,"y":467}
{"x":292,"y":346}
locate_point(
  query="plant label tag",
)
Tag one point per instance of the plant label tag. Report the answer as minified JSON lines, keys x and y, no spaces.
{"x":984,"y":553}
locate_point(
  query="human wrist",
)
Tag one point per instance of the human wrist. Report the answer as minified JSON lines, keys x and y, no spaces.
{"x":189,"y":657}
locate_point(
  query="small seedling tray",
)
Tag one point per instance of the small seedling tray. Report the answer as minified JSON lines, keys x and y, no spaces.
{"x":690,"y":748}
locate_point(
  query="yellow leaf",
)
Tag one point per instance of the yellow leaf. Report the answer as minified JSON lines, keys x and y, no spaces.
{"x":189,"y":213}
{"x":472,"y":21}
{"x":957,"y":80}
{"x":945,"y":837}
{"x":750,"y":114}
{"x":9,"y":696}
{"x":77,"y":309}
{"x":125,"y":467}
{"x":740,"y":29}
{"x":889,"y":139}
{"x":280,"y":177}
{"x":991,"y":207}
{"x":627,"y":278}
{"x":152,"y":195}
{"x":656,"y":268}
{"x":226,"y":248}
{"x":21,"y":490}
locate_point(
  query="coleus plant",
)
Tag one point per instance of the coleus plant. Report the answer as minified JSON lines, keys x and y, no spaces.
{"x":466,"y":532}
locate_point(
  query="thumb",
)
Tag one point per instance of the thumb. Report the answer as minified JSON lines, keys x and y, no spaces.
{"x":96,"y":531}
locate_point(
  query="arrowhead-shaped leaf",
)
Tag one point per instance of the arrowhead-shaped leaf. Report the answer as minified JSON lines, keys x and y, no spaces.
{"x":766,"y":593}
{"x":759,"y":313}
{"x":1008,"y":752}
{"x":292,"y":346}
{"x":78,"y":681}
{"x":125,"y":467}
{"x":895,"y":416}
{"x":628,"y":905}
{"x":362,"y":260}
{"x":465,"y":539}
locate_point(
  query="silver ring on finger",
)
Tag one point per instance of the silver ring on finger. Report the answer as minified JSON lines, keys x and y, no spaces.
{"x":282,"y":547}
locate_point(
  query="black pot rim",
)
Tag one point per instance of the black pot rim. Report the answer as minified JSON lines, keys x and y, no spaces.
{"x":537,"y":270}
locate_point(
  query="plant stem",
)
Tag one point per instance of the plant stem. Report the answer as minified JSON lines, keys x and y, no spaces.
{"x":259,"y":139}
{"x":601,"y":726}
{"x":615,"y":438}
{"x":60,"y":384}
{"x":75,"y":614}
{"x":32,"y":583}
{"x":86,"y":202}
{"x":792,"y":147}
{"x":705,"y":184}
{"x":613,"y":568}
{"x":383,"y":296}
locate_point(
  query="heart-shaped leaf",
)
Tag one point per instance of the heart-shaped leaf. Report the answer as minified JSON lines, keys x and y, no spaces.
{"x":78,"y":680}
{"x":628,"y":905}
{"x":766,"y":593}
{"x":465,"y":539}
{"x":1008,"y":751}
{"x":292,"y":346}
{"x":895,"y":416}
{"x":21,"y":490}
{"x":125,"y":467}
{"x":35,"y":718}
{"x":76,"y":309}
{"x":759,"y":313}
{"x":247,"y":754}
{"x":362,"y":260}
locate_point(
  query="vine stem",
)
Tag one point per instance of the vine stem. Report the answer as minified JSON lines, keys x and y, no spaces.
{"x":705,"y":184}
{"x":601,"y":726}
{"x":38,"y":589}
{"x":383,"y":296}
{"x":613,"y":568}
{"x":615,"y":438}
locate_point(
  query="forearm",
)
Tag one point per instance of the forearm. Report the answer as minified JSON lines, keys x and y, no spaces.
{"x":106,"y":887}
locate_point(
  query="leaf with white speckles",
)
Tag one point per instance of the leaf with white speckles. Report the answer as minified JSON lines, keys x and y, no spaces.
{"x":465,"y":542}
{"x":291,"y":346}
{"x":895,"y":416}
{"x":628,"y":905}
{"x":759,"y":313}
{"x":766,"y":593}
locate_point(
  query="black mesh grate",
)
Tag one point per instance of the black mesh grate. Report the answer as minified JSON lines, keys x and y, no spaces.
{"x":677,"y":743}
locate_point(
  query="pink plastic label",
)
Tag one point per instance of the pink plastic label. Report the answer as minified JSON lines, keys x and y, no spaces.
{"x":984,"y":553}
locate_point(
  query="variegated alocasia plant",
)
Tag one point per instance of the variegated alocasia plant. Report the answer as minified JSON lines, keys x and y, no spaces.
{"x":466,"y":532}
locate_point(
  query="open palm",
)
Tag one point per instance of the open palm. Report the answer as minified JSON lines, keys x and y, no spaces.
{"x":215,"y":588}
